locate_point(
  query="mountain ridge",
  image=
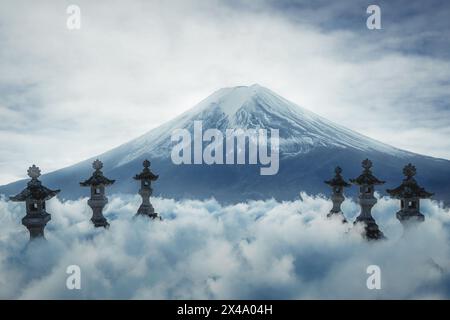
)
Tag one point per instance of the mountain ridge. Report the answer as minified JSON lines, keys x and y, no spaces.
{"x":310,"y":147}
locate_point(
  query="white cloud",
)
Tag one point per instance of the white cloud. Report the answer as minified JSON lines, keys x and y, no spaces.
{"x":260,"y":249}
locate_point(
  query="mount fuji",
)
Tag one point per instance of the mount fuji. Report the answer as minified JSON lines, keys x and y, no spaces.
{"x":309,"y":149}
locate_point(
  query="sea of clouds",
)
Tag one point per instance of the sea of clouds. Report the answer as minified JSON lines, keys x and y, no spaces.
{"x":204,"y":250}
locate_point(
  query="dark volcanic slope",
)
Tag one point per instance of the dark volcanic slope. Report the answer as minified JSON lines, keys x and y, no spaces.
{"x":310,"y":148}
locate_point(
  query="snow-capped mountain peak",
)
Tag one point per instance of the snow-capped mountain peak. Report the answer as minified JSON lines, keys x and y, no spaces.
{"x":254,"y":107}
{"x":230,"y":101}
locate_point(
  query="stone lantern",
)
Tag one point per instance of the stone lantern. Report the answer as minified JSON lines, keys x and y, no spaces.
{"x":409,"y":193}
{"x":146,"y":177}
{"x":366,"y":182}
{"x":34,"y":196}
{"x":97,"y":182}
{"x":337,"y":185}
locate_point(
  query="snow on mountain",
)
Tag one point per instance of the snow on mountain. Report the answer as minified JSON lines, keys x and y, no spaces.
{"x":254,"y":107}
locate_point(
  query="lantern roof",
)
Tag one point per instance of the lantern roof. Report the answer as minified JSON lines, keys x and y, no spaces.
{"x":97,"y":177}
{"x":366,"y":177}
{"x":146,"y":173}
{"x":34,"y":190}
{"x":338,"y":180}
{"x":409,"y":187}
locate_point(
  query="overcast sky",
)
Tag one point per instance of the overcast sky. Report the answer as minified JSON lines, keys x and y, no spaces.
{"x":67,"y":95}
